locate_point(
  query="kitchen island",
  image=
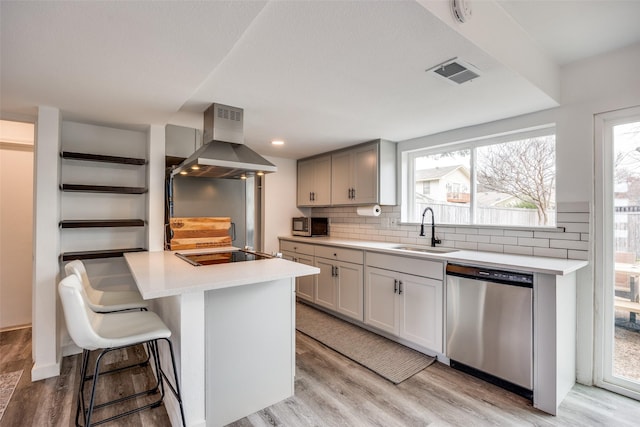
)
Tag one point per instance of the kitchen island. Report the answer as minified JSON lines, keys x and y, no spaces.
{"x":233,"y":329}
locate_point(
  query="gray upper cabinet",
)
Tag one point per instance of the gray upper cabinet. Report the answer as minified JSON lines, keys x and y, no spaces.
{"x":364,"y":174}
{"x":314,"y":181}
{"x":181,"y":141}
{"x":360,"y":175}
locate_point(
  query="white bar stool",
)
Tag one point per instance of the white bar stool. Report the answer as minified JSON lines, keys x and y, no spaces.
{"x":108,"y":332}
{"x":105,"y":301}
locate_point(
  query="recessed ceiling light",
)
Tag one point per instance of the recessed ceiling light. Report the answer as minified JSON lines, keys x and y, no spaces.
{"x":277,"y":142}
{"x":183,"y":172}
{"x":195,"y":167}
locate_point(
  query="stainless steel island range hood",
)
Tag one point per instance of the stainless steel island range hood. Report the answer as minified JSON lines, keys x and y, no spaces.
{"x":224,"y":155}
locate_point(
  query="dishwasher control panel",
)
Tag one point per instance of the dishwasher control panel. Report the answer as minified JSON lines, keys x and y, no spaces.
{"x":499,"y":276}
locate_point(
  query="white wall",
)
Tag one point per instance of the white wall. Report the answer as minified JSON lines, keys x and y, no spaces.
{"x":46,"y":246}
{"x":280,"y":202}
{"x":16,"y":218}
{"x":604,"y":83}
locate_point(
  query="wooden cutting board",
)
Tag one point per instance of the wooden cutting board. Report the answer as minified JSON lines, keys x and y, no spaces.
{"x":199,"y":232}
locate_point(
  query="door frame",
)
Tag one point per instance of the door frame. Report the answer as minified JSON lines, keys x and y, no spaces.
{"x":604,"y":263}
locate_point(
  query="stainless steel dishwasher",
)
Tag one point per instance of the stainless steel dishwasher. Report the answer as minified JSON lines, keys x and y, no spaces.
{"x":490,"y":325}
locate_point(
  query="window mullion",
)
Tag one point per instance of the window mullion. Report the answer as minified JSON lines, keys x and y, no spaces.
{"x":472,"y":187}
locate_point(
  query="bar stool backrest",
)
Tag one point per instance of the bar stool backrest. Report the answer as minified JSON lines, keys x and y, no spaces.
{"x":77,"y":267}
{"x":77,"y":314}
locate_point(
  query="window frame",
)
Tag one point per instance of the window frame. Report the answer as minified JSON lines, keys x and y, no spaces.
{"x":407,"y":168}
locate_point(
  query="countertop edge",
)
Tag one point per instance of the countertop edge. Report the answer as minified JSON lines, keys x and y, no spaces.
{"x":533,"y":264}
{"x":180,"y":277}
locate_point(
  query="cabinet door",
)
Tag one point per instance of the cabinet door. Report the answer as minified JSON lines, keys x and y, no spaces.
{"x":305,"y":284}
{"x":365,"y":175}
{"x":305,"y":183}
{"x":314,"y":182}
{"x":380,"y":296}
{"x":341,"y":183}
{"x":350,"y":290}
{"x":421,"y":311}
{"x":326,"y":284}
{"x":322,"y":181}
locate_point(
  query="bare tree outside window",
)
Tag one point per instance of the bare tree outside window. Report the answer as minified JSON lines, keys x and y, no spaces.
{"x":524,"y":169}
{"x":492,"y":183}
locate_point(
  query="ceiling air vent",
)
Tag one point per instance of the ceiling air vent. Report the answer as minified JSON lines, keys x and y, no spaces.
{"x":455,"y":71}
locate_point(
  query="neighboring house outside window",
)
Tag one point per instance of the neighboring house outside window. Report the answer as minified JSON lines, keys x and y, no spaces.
{"x":507,"y":181}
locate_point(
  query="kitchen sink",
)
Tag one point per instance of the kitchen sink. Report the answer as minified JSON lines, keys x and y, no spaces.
{"x":428,"y":250}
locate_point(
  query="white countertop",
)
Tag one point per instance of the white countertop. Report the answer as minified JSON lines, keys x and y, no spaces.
{"x":162,"y":273}
{"x":554,"y":266}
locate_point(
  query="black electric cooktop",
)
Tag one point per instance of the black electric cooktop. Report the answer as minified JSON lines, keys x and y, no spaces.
{"x":211,"y":258}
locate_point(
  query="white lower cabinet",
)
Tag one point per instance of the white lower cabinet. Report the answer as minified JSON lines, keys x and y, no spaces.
{"x":326,"y":285}
{"x":304,"y":284}
{"x":302,"y":253}
{"x":340,"y":284}
{"x":405,"y":305}
{"x":339,"y":287}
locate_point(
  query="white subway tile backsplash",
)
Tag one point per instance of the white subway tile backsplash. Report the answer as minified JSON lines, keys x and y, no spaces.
{"x":518,"y":233}
{"x":455,"y":237}
{"x":570,"y":240}
{"x":488,"y":247}
{"x":581,"y":255}
{"x":409,"y":241}
{"x":541,"y":243}
{"x":478,"y":239}
{"x":569,"y":244}
{"x":469,"y":246}
{"x":467,"y":230}
{"x":491,"y":231}
{"x":518,"y":250}
{"x":574,"y":227}
{"x":556,"y":235}
{"x":502,"y":240}
{"x":549,"y":252}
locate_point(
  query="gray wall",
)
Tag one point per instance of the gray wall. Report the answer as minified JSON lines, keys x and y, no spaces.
{"x":193,"y":197}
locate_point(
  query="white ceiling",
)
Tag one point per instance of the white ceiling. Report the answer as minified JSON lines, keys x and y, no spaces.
{"x":318,"y":74}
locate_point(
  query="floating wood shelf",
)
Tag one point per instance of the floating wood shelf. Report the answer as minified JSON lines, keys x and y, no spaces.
{"x":96,"y":223}
{"x":108,"y":253}
{"x":102,"y":189}
{"x":102,"y":158}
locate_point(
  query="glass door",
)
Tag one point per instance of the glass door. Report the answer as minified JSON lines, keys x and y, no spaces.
{"x":618,"y":251}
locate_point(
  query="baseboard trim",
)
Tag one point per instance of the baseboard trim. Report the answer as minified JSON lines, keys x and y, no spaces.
{"x":41,"y":372}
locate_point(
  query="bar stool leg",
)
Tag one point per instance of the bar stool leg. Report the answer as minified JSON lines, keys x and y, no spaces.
{"x":80,"y":408}
{"x":176,"y":390}
{"x":161,"y":377}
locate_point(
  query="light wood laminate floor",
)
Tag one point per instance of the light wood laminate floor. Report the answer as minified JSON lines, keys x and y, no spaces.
{"x":331,"y":391}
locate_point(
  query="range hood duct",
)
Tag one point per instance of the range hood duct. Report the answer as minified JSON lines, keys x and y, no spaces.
{"x":224,"y":155}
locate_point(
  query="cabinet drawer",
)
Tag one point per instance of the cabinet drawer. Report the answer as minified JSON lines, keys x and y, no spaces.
{"x":296,"y":247}
{"x":415,"y":266}
{"x":347,"y":255}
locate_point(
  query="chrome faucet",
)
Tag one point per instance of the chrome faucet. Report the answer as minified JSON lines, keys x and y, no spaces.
{"x":434,"y":241}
